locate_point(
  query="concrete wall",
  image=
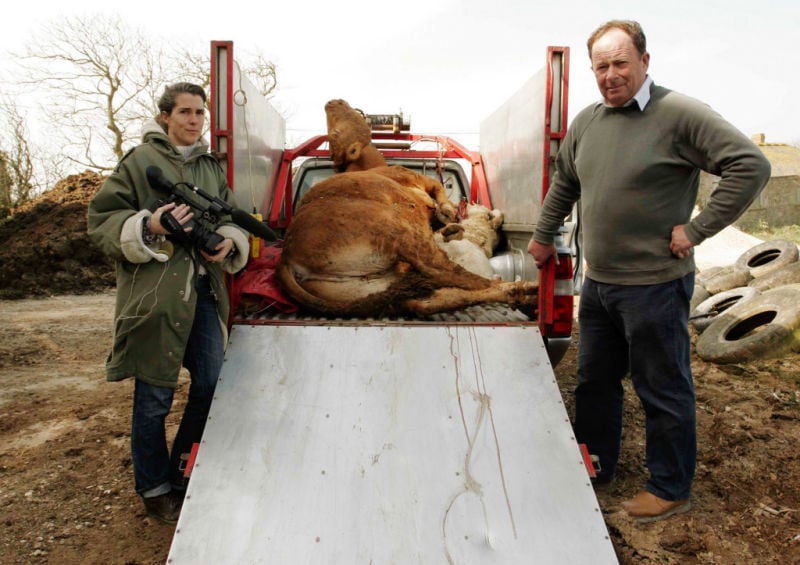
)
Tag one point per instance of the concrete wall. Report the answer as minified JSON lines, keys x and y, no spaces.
{"x":778,"y":205}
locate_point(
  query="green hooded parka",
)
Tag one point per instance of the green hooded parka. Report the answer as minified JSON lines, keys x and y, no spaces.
{"x":155,"y":281}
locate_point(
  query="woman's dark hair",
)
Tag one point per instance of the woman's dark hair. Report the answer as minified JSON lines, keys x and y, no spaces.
{"x":167,"y":101}
{"x":633,"y":29}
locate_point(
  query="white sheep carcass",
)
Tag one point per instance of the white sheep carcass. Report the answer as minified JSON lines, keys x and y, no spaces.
{"x":472,"y":241}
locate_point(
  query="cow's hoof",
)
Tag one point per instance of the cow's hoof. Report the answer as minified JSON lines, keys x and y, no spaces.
{"x":525,"y":292}
{"x":446,"y":213}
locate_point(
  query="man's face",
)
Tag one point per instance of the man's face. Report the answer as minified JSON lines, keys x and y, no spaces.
{"x":618,"y":67}
{"x":185,"y":123}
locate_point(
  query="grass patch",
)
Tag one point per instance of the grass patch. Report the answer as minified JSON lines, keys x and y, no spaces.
{"x":766,"y":233}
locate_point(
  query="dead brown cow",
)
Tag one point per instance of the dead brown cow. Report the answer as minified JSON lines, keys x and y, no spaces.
{"x":361,"y":243}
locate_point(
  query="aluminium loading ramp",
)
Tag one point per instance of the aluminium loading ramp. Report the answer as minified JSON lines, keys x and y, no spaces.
{"x":389,"y":444}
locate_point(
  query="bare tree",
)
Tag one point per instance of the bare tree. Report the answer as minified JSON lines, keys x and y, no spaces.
{"x":192,"y":67}
{"x":94,"y":82}
{"x":196,"y":68}
{"x":95,"y":77}
{"x":6,"y":186}
{"x":18,"y":183}
{"x":263,"y":74}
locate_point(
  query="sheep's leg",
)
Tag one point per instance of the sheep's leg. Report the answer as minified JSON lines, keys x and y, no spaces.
{"x":452,"y":231}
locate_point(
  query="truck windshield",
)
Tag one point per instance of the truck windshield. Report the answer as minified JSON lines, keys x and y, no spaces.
{"x":452,"y":177}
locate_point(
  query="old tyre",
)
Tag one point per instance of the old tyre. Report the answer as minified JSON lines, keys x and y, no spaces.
{"x":706,"y":274}
{"x":790,"y":274}
{"x":725,"y":279}
{"x":700,"y":295}
{"x":765,"y":326}
{"x":767,"y":257}
{"x":711,"y":308}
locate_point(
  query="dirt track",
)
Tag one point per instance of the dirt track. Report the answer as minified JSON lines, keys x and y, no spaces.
{"x":67,"y":498}
{"x":66,"y":491}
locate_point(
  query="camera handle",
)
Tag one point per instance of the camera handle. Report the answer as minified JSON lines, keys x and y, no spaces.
{"x":169,"y":223}
{"x":174,"y":227}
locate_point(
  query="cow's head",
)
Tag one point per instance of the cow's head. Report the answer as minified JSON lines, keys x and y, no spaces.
{"x":348,"y":135}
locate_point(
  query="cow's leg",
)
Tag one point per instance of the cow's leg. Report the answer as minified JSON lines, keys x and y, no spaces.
{"x":447,"y":299}
{"x":443,"y":208}
{"x":436,"y":267}
{"x":445,"y":211}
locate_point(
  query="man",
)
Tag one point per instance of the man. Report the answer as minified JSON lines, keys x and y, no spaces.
{"x":634,"y":160}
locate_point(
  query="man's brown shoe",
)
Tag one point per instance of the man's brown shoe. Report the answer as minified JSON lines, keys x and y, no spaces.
{"x":647,"y":507}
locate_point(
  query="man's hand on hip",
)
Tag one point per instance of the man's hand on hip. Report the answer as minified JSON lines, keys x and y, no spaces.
{"x":680,"y":246}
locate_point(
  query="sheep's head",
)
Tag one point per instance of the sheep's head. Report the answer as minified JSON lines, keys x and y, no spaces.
{"x":482,"y":227}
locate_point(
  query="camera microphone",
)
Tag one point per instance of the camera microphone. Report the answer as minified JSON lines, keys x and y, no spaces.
{"x":157,"y":181}
{"x":251,"y":224}
{"x":241,"y":218}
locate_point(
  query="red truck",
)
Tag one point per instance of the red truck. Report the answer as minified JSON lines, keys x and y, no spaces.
{"x":442,"y":440}
{"x":511,"y":172}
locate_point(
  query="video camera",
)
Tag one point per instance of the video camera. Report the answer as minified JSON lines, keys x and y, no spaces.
{"x":200,"y":236}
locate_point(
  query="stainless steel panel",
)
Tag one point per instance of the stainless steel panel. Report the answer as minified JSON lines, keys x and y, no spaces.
{"x":389,"y":444}
{"x":512,"y":145}
{"x":259,"y":135}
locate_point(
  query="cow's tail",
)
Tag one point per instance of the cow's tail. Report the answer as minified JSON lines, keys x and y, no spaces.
{"x":286,"y":277}
{"x":385,"y":303}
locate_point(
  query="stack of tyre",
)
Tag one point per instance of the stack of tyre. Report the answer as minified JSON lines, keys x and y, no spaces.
{"x":750,"y":309}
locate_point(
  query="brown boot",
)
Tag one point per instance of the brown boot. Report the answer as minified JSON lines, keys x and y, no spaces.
{"x":647,"y":507}
{"x":165,"y":508}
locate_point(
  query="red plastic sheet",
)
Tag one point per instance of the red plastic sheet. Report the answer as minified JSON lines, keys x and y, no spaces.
{"x":256,"y":289}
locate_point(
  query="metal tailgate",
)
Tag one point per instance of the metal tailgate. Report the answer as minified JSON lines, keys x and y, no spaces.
{"x":389,"y":444}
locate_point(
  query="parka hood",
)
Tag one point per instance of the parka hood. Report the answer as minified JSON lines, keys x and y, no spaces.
{"x":154,"y":131}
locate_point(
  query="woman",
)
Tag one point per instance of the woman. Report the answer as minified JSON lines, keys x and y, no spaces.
{"x":172,"y":305}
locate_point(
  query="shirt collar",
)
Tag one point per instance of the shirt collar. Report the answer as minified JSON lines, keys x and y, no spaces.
{"x":642,"y":97}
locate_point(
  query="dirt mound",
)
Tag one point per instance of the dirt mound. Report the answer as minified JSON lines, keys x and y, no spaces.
{"x":44,"y":249}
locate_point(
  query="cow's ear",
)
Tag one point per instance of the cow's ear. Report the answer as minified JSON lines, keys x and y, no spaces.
{"x":353,"y":151}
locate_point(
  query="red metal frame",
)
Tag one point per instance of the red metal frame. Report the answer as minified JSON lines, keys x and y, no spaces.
{"x":281,"y":216}
{"x":549,"y":134}
{"x":226,"y":133}
{"x":187,"y":472}
{"x":587,"y":460}
{"x":216,"y":133}
{"x":479,"y":191}
{"x":547,"y":274}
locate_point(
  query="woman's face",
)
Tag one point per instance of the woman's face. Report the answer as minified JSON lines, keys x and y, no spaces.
{"x":185,"y":123}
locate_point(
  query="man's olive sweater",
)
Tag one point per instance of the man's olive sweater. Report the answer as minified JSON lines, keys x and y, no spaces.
{"x":636,"y":174}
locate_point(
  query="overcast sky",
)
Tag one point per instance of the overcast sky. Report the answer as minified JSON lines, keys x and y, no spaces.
{"x":448,"y":64}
